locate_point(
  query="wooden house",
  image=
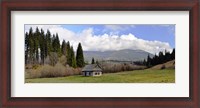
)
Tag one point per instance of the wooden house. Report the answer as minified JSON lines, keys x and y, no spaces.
{"x":92,"y":70}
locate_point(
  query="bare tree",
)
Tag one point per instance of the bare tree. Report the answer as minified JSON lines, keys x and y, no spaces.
{"x":53,"y":57}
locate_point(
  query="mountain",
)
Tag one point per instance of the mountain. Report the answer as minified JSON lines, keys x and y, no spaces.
{"x":119,"y":55}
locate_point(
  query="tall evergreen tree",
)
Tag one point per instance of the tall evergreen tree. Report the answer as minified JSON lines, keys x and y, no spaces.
{"x":48,"y":46}
{"x":31,"y":46}
{"x":173,"y":54}
{"x":93,"y":61}
{"x":64,"y":48}
{"x":73,"y":60}
{"x":79,"y":56}
{"x":53,"y":39}
{"x":144,"y":62}
{"x":58,"y":50}
{"x":161,"y":57}
{"x":167,"y":56}
{"x":26,"y":47}
{"x":156,"y":59}
{"x":68,"y":54}
{"x":148,"y":61}
{"x":36,"y":44}
{"x":42,"y":45}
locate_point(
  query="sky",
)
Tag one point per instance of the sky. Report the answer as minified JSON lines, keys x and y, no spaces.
{"x":104,"y":37}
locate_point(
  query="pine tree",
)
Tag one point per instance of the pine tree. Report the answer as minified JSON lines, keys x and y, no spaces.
{"x":68,"y":54}
{"x":148,"y":61}
{"x":48,"y":46}
{"x":79,"y":56}
{"x":53,"y":39}
{"x":144,"y":62}
{"x":26,"y":47}
{"x":31,"y":46}
{"x":93,"y":61}
{"x":42,"y":45}
{"x":97,"y":62}
{"x":58,"y":50}
{"x":167,"y":56}
{"x":156,"y":59}
{"x":173,"y":54}
{"x":161,"y":57}
{"x":36,"y":44}
{"x":64,"y":48}
{"x":73,"y":60}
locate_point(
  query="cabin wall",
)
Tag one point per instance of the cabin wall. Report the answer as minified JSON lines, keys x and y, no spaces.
{"x":91,"y":73}
{"x":86,"y":73}
{"x":96,"y":73}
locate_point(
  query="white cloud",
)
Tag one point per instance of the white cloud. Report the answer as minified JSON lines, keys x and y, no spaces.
{"x":106,"y":41}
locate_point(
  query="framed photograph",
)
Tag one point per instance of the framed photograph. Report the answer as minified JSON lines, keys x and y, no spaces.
{"x":139,"y":53}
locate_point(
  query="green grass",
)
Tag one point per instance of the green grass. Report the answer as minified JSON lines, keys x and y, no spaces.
{"x":137,"y":76}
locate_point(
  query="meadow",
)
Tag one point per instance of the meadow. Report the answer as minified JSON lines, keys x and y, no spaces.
{"x":136,"y":76}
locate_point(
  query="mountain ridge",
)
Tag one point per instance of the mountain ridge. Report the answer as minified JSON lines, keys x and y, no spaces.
{"x":120,"y":55}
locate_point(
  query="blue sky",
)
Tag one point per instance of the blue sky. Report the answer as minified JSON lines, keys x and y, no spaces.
{"x":102,"y":37}
{"x":159,"y":32}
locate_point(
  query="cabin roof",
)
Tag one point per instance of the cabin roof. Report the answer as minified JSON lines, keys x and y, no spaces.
{"x":92,"y":67}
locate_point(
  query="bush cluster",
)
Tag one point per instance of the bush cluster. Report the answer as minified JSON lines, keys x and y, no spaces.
{"x":119,"y":67}
{"x":48,"y":71}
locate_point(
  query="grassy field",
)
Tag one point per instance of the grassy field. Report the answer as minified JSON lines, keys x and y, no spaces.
{"x":137,"y":76}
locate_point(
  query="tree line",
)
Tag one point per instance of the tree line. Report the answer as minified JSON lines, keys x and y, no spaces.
{"x":43,"y":48}
{"x":159,"y":59}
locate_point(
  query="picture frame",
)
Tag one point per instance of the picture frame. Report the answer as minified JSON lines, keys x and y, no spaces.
{"x":94,"y":5}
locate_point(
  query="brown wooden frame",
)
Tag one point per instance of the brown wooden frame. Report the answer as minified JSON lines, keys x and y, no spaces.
{"x":193,"y":101}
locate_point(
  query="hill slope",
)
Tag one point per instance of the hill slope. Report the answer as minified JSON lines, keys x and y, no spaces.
{"x":120,"y":55}
{"x":168,"y":65}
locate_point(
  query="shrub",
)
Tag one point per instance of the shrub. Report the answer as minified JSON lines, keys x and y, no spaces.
{"x":28,"y":66}
{"x":119,"y":67}
{"x":49,"y":71}
{"x":77,"y":71}
{"x":35,"y":66}
{"x":47,"y":61}
{"x":72,"y":71}
{"x":63,"y":60}
{"x":32,"y":73}
{"x":59,"y":69}
{"x":46,"y":71}
{"x":53,"y":57}
{"x":163,"y":67}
